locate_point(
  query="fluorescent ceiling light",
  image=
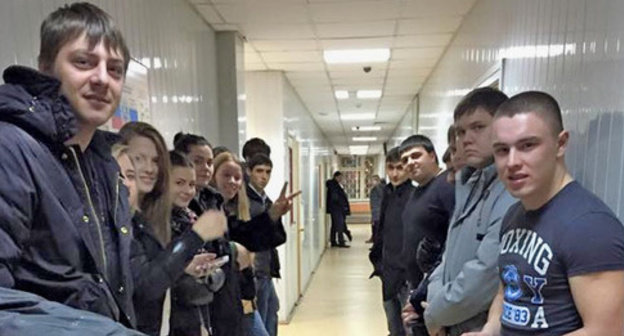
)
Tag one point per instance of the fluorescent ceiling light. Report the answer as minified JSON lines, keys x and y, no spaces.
{"x":356,"y":55}
{"x":369,"y":94}
{"x":341,"y":94}
{"x":365,"y":128}
{"x":358,"y":150}
{"x":358,"y":116}
{"x":364,"y":139}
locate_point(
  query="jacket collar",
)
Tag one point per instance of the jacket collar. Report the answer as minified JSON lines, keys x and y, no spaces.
{"x":32,"y":101}
{"x":35,"y":82}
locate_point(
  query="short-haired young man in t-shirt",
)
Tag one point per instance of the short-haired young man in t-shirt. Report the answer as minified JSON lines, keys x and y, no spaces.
{"x":561,"y":261}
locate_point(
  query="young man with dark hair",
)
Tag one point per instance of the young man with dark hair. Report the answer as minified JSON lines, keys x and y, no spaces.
{"x":255,"y":146}
{"x":337,"y":205}
{"x":375,"y":196}
{"x":266,"y":263}
{"x":387,"y":251}
{"x":561,"y":262}
{"x":425,"y":218}
{"x":462,"y":287}
{"x":64,"y":219}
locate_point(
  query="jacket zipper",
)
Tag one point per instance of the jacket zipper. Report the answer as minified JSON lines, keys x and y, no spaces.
{"x":116,"y":201}
{"x":97,"y":221}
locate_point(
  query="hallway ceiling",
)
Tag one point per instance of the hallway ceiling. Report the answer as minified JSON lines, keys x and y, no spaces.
{"x":291,"y":35}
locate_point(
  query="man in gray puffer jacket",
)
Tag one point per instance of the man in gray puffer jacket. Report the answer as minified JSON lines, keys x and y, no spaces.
{"x":462,"y":287}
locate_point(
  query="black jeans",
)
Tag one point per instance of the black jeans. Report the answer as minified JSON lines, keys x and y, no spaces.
{"x":338,"y":227}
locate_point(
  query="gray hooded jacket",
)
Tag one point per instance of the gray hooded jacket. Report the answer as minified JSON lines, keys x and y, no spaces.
{"x":463,"y":286}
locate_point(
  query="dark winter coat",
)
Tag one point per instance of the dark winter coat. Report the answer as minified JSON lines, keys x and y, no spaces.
{"x":390,"y":238}
{"x":65,"y":228}
{"x":337,"y":200}
{"x":155,"y":269}
{"x":266,"y":262}
{"x":226,"y":309}
{"x":253,"y":234}
{"x":26,"y":314}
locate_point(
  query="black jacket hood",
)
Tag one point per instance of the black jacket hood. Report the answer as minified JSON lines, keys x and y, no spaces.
{"x":32,"y":101}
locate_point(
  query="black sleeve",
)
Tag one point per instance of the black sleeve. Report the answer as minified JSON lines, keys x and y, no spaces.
{"x":279,"y":233}
{"x":152,"y":276}
{"x":441,"y":209}
{"x":18,"y":201}
{"x":376,"y":251}
{"x":256,"y":234}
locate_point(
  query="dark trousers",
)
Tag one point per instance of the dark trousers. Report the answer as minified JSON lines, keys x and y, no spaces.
{"x":338,"y":228}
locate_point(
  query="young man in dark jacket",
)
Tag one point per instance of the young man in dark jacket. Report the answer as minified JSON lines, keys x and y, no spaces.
{"x":337,"y":206}
{"x":375,"y":196}
{"x":425,"y":217}
{"x":65,"y":229}
{"x":266,"y":264}
{"x":387,"y":251}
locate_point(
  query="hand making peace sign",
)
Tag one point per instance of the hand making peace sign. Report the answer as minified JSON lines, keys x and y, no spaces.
{"x":283,"y":204}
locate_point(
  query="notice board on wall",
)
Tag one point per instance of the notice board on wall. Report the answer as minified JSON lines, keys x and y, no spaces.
{"x":135,"y":98}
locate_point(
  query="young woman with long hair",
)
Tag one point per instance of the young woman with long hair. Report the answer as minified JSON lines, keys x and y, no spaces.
{"x":156,"y":261}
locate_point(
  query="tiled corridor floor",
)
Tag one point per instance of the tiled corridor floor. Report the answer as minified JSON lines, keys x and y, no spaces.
{"x":341,"y":300}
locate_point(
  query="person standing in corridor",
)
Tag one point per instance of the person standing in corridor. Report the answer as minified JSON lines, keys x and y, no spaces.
{"x":337,"y":206}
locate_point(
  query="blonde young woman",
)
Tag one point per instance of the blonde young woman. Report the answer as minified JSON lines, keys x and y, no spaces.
{"x":255,"y":234}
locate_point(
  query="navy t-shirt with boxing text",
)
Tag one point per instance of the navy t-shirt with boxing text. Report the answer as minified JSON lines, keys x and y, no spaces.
{"x":573,"y":234}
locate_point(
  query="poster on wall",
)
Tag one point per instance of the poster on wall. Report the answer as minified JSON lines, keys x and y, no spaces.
{"x":135,"y":99}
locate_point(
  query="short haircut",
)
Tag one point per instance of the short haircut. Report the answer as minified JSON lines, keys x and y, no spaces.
{"x":486,"y":98}
{"x":220,"y":149}
{"x":254,"y":146}
{"x":376,"y":177}
{"x":417,"y":140}
{"x":393,"y":155}
{"x":179,"y":159}
{"x":447,"y":156}
{"x":259,"y":159}
{"x":451,"y":134}
{"x":540,"y":103}
{"x":337,"y":173}
{"x":70,"y":21}
{"x":183,"y":141}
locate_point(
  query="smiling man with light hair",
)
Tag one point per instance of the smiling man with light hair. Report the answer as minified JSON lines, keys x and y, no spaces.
{"x":65,"y":229}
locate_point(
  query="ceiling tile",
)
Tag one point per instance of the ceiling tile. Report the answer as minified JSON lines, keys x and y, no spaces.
{"x":296,"y":75}
{"x":415,"y":54}
{"x":401,"y":90}
{"x":429,"y":25}
{"x":263,"y":11}
{"x":255,"y":66}
{"x":421,"y":41}
{"x":267,"y":31}
{"x":357,"y":43}
{"x":356,"y":67}
{"x":350,"y":12}
{"x":285,"y":45}
{"x":252,"y":57}
{"x":360,"y":29}
{"x":427,"y":8}
{"x":208,"y":12}
{"x":309,"y":66}
{"x":292,"y":57}
{"x":225,"y":27}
